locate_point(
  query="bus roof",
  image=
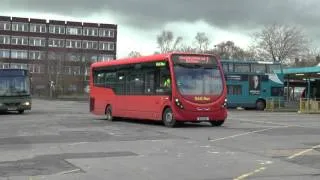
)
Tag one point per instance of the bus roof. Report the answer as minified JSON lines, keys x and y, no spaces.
{"x":14,"y":72}
{"x":150,"y":58}
{"x":249,"y":61}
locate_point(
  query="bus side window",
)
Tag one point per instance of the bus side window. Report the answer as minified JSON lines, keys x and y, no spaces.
{"x":120,"y":83}
{"x":99,"y":78}
{"x":234,"y":90}
{"x":149,"y":82}
{"x":135,"y":84}
{"x":163,"y":80}
{"x":225,"y":67}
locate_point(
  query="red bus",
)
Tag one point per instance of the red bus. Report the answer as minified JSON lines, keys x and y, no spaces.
{"x":173,"y":88}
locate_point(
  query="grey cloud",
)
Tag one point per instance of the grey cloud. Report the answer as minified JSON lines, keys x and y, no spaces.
{"x":222,"y":13}
{"x":237,"y":14}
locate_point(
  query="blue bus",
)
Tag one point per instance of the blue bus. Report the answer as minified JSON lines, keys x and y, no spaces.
{"x":251,"y":83}
{"x":15,"y":90}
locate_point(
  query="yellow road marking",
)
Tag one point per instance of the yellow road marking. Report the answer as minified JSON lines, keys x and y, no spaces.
{"x":243,"y":176}
{"x":303,"y":152}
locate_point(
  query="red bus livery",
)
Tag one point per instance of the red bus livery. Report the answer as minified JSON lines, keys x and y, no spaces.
{"x":173,"y":88}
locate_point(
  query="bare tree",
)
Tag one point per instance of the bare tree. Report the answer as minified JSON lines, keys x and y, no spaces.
{"x":56,"y":65}
{"x":310,"y":58}
{"x":280,"y":42}
{"x":202,"y":41}
{"x":186,"y":48}
{"x":228,"y":50}
{"x":167,"y":42}
{"x":134,"y":54}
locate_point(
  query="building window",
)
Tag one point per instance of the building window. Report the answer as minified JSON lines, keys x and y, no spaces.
{"x":56,"y":55}
{"x":36,"y":55}
{"x":105,"y":57}
{"x":76,"y":70}
{"x":73,"y":44}
{"x":74,"y":30}
{"x":23,"y":27}
{"x":19,"y":54}
{"x":4,"y":53}
{"x":36,"y":68}
{"x":4,"y":39}
{"x":18,"y":66}
{"x":67,"y":69}
{"x":106,"y":33}
{"x":4,"y":65}
{"x":90,"y":31}
{"x":39,"y":28}
{"x":72,"y":70}
{"x":106,"y":46}
{"x":5,"y":25}
{"x":19,"y":40}
{"x":89,"y":44}
{"x":73,"y":57}
{"x":57,"y":29}
{"x":56,"y":42}
{"x":37,"y":41}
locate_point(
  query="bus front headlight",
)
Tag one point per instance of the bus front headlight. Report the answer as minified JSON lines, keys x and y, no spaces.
{"x":225,"y":103}
{"x":26,"y":103}
{"x":178,"y":103}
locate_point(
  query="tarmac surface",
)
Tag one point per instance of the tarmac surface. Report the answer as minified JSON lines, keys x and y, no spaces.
{"x":62,"y":140}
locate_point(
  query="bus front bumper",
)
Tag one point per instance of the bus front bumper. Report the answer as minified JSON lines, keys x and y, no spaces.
{"x":191,"y":116}
{"x":17,"y":106}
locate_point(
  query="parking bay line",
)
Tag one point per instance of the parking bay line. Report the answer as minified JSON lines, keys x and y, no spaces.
{"x":243,"y":134}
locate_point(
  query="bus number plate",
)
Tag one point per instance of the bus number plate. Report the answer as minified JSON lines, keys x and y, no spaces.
{"x":12,"y":108}
{"x":203,"y":118}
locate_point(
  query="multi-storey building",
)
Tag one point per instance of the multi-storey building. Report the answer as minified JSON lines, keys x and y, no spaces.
{"x":58,"y":51}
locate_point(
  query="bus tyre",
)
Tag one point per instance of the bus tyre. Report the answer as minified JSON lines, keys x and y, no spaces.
{"x":260,"y":105}
{"x":168,"y":119}
{"x":216,"y":123}
{"x":108,"y":113}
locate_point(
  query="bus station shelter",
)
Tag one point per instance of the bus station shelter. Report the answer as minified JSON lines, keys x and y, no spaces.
{"x":308,"y":77}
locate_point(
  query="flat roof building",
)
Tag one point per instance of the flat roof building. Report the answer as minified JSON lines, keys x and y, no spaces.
{"x":53,"y":50}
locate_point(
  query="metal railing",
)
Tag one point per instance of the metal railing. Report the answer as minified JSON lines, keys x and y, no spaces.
{"x":309,"y":105}
{"x":273,"y":104}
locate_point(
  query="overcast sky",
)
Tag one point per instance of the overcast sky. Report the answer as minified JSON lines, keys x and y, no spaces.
{"x":139,"y":21}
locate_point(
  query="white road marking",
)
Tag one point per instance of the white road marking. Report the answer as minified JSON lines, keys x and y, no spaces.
{"x":70,"y":171}
{"x":243,"y":134}
{"x":272,"y":123}
{"x":73,"y":144}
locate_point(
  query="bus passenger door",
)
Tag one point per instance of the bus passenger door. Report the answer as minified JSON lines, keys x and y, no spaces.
{"x":156,"y":91}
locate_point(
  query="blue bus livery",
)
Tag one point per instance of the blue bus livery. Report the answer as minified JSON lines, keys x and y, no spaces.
{"x":251,"y":83}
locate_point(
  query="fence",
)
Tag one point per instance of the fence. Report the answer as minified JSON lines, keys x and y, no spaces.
{"x":273,"y":104}
{"x":309,"y":105}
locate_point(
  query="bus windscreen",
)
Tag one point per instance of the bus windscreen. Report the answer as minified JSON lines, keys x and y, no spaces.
{"x":197,"y":75}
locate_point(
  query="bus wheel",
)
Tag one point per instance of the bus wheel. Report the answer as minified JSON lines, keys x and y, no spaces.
{"x":108,"y":113}
{"x":168,"y":119}
{"x":21,"y":111}
{"x":260,"y":105}
{"x":216,"y":123}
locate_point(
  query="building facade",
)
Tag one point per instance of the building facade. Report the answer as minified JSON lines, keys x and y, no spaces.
{"x":58,"y":51}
